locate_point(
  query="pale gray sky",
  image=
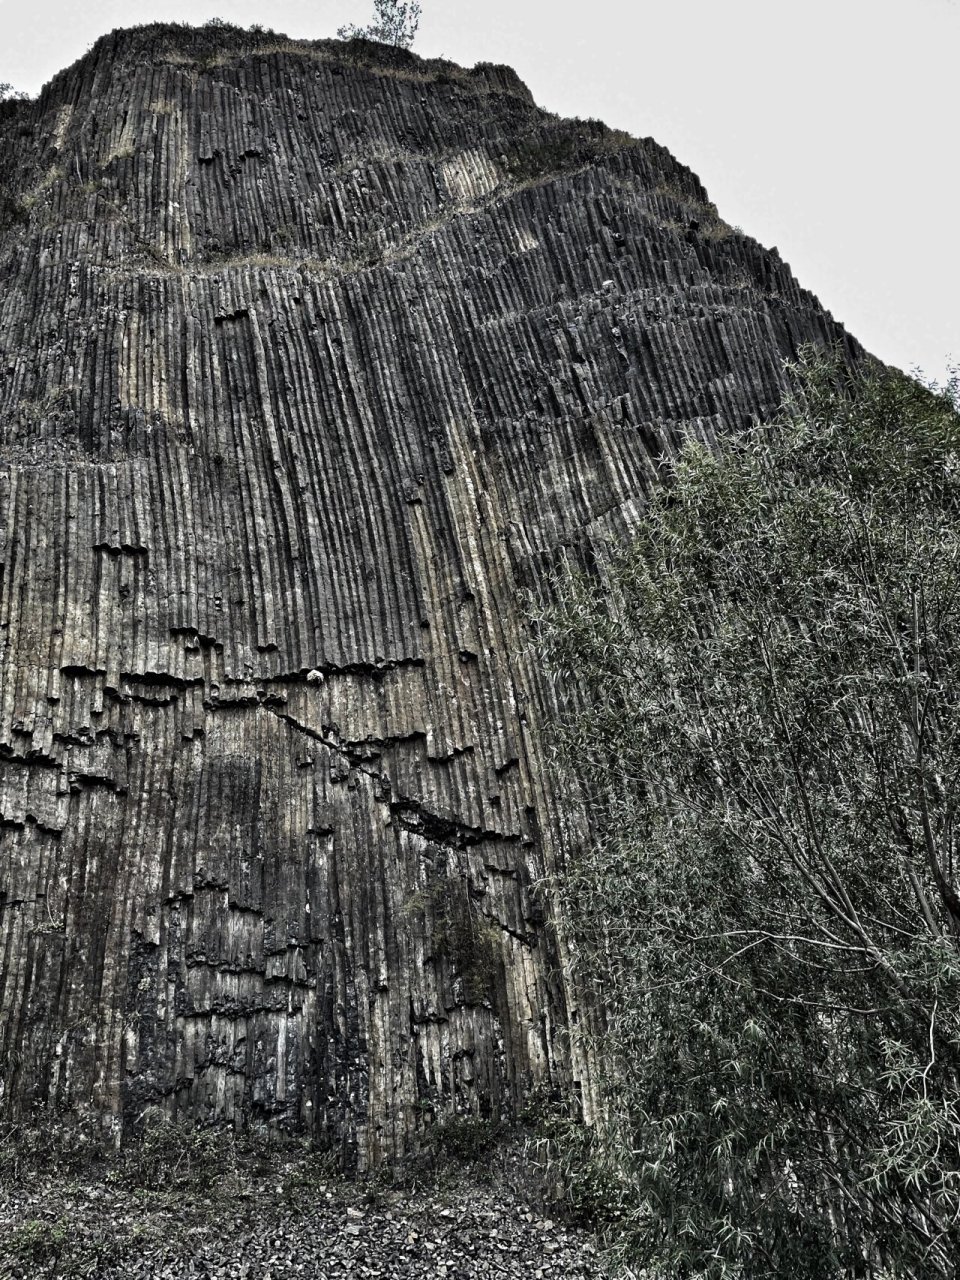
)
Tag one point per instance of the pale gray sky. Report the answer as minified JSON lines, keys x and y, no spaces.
{"x":826,"y":127}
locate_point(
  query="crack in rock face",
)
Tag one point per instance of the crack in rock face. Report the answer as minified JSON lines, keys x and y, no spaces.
{"x":312,"y":368}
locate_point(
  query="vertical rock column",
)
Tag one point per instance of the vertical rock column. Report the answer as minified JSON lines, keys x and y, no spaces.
{"x":310,"y":368}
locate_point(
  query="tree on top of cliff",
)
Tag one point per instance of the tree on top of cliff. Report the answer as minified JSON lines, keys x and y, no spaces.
{"x":395,"y":22}
{"x":771,"y":906}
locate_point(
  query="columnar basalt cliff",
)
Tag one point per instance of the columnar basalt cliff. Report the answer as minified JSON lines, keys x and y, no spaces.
{"x":313,"y":360}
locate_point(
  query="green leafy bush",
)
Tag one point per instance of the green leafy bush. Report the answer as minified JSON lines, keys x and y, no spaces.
{"x":768,"y":723}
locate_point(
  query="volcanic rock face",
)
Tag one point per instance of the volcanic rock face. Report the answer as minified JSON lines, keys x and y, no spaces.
{"x":313,"y":360}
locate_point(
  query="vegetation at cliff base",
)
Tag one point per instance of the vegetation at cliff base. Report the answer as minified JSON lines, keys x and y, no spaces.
{"x":767,"y":721}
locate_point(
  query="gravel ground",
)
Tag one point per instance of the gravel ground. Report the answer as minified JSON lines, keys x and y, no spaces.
{"x":297,"y":1221}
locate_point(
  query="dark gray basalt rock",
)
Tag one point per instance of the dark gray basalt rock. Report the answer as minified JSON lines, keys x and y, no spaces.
{"x":313,"y":359}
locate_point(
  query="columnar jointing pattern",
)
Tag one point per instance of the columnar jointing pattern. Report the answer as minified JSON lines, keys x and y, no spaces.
{"x":312,"y":361}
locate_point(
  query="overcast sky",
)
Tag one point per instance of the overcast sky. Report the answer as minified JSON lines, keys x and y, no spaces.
{"x":828,"y":128}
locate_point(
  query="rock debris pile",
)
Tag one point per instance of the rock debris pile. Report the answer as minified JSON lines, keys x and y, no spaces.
{"x":458,"y":1230}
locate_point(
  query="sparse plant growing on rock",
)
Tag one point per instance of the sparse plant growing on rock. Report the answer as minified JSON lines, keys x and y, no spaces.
{"x":395,"y":22}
